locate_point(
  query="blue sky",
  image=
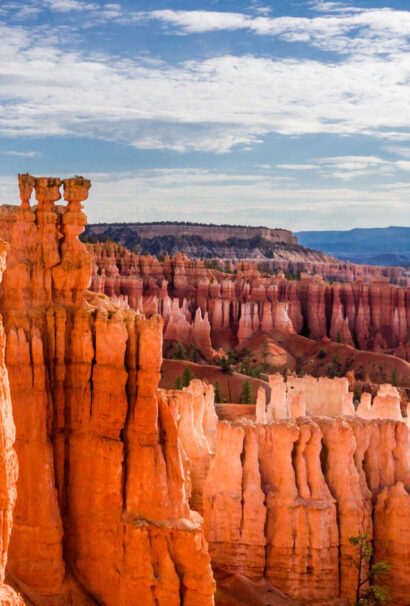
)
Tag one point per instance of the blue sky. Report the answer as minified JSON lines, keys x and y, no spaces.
{"x":292,"y":114}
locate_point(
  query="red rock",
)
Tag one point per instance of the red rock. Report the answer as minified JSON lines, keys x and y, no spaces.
{"x":102,"y":512}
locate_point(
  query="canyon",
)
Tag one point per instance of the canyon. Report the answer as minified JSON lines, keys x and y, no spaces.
{"x":128,"y":493}
{"x":212,"y":308}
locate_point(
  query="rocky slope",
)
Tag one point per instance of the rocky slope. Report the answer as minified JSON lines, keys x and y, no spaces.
{"x":199,"y":304}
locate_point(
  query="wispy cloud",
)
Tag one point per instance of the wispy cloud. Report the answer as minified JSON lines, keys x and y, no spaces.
{"x":344,"y":29}
{"x":23,"y":154}
{"x":350,"y":167}
{"x":207,"y":105}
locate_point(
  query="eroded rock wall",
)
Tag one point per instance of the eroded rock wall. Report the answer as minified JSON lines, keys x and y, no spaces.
{"x":373,"y":315}
{"x":8,"y":463}
{"x":102,"y":515}
{"x":283,"y":499}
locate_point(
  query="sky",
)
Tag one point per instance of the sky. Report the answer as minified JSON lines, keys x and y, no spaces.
{"x":291,"y":114}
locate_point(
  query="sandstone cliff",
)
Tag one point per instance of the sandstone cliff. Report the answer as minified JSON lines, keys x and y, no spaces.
{"x":102,"y":514}
{"x":281,"y":500}
{"x":115,"y":473}
{"x":371,"y":316}
{"x":8,"y":463}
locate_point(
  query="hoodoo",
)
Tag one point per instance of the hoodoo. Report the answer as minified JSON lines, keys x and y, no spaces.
{"x":129,"y":494}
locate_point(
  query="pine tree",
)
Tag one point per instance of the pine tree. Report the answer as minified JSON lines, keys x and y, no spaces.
{"x":368,"y":590}
{"x":187,"y":376}
{"x":218,"y":395}
{"x":178,"y":383}
{"x":180,"y":353}
{"x":246,"y":395}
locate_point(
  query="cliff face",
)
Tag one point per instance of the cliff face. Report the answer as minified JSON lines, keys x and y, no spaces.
{"x":370,"y":316}
{"x":282,"y":500}
{"x":102,"y":514}
{"x":8,"y":463}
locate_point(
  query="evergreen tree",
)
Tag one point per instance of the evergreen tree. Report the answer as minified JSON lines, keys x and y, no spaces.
{"x":225,"y":364}
{"x":394,"y":380}
{"x":187,"y":376}
{"x":178,"y":383}
{"x":180,"y":353}
{"x":368,"y":591}
{"x":218,"y":395}
{"x":246,"y":395}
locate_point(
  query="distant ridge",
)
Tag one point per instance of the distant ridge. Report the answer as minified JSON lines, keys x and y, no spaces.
{"x":368,"y":246}
{"x":205,"y":241}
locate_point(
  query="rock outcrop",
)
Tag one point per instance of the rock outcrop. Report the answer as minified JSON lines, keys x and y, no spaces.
{"x":283,"y":499}
{"x":373,"y":316}
{"x":115,"y":474}
{"x":8,"y":463}
{"x":102,"y":514}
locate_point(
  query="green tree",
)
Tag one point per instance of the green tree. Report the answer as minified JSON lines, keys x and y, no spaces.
{"x":191,"y":352}
{"x":181,"y":353}
{"x":246,"y":395}
{"x":394,"y":379}
{"x":339,"y":338}
{"x":368,"y":590}
{"x":225,"y":364}
{"x":218,"y":395}
{"x":178,"y":383}
{"x":322,"y":353}
{"x":187,"y":376}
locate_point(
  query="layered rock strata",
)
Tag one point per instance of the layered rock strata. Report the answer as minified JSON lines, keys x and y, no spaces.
{"x":102,"y":514}
{"x":371,"y":316}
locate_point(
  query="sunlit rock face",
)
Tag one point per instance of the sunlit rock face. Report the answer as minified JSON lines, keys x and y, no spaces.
{"x":373,"y":315}
{"x":8,"y":462}
{"x":115,"y":474}
{"x":102,"y":514}
{"x":281,"y":500}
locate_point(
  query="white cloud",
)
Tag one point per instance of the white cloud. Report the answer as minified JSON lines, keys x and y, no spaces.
{"x":297,"y":166}
{"x":345,"y":29}
{"x":65,"y":6}
{"x":204,"y":195}
{"x":209,"y":105}
{"x":350,"y":167}
{"x":27,"y":154}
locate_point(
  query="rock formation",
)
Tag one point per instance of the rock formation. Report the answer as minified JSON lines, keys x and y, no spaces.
{"x":102,"y":515}
{"x":8,"y":463}
{"x":115,"y":474}
{"x":283,"y":499}
{"x":371,"y":316}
